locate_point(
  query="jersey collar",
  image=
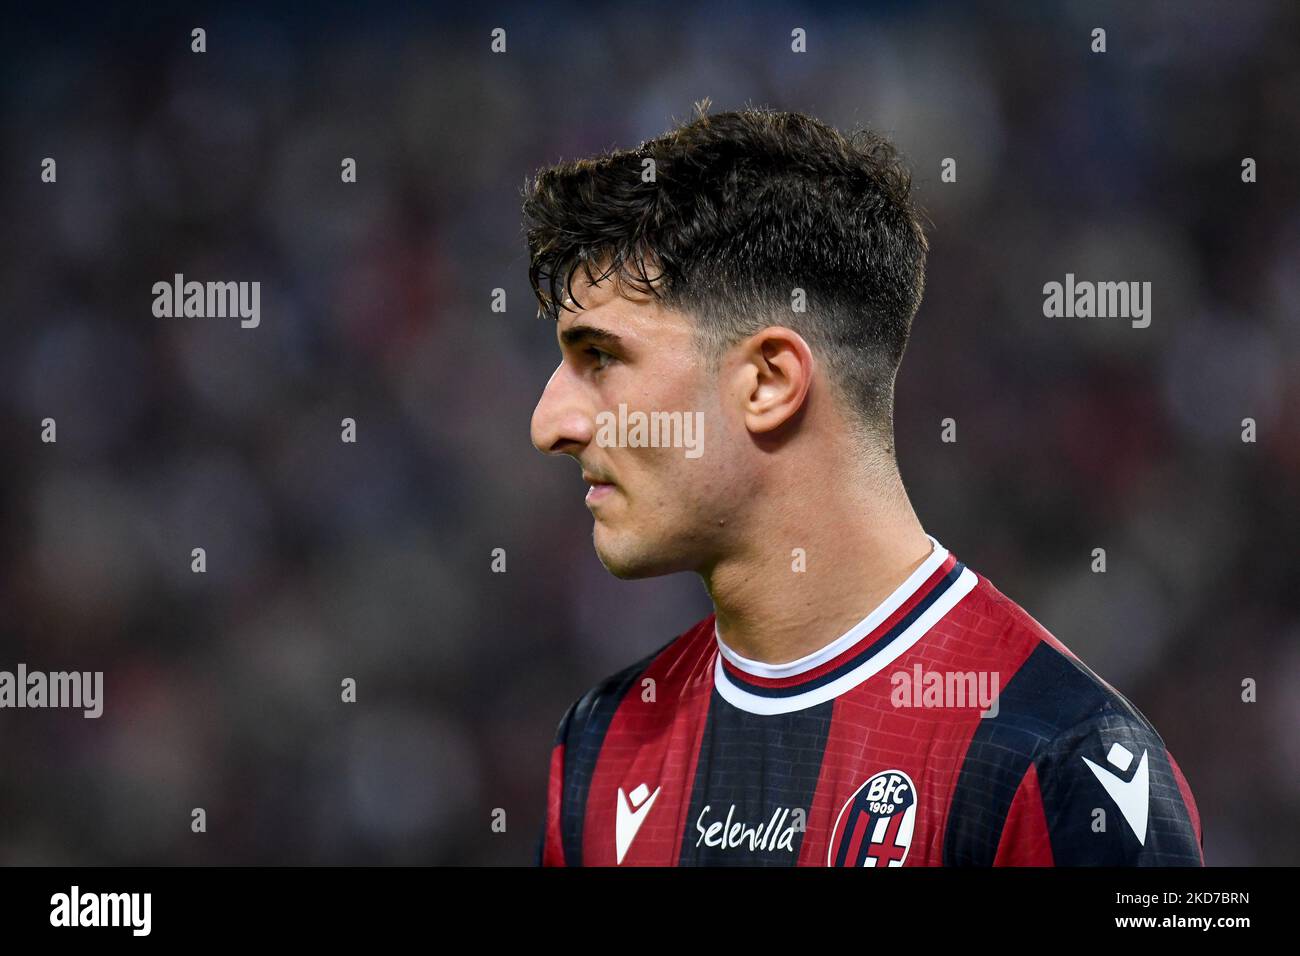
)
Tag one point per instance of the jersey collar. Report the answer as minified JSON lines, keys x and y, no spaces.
{"x":865,"y":649}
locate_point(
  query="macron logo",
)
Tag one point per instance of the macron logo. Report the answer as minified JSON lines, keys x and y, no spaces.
{"x":1131,"y":796}
{"x":632,"y":812}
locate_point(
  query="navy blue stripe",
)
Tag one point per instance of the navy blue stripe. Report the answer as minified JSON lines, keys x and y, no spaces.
{"x":857,"y":661}
{"x":755,"y":764}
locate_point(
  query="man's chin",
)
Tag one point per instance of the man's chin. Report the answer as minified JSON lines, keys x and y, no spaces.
{"x":628,"y":560}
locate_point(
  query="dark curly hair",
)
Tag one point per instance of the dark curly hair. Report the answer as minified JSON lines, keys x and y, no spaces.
{"x":743,"y":208}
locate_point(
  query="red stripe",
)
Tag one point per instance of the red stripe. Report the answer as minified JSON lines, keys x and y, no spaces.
{"x":1025,"y":839}
{"x":1190,"y":803}
{"x":553,"y":851}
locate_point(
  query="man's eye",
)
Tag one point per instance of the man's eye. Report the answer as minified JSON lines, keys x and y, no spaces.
{"x":601,"y":358}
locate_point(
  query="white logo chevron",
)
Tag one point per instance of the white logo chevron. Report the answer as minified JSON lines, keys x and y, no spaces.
{"x":631,"y":814}
{"x":1133,"y":797}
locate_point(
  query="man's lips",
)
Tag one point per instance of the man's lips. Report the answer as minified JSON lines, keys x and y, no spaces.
{"x":599,"y":489}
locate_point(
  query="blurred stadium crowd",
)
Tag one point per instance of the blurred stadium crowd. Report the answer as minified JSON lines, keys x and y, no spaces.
{"x":371,"y":560}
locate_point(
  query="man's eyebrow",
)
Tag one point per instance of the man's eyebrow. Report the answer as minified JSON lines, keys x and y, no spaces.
{"x":576,"y":335}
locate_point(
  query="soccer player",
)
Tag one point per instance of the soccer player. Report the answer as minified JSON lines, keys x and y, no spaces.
{"x":732,"y":301}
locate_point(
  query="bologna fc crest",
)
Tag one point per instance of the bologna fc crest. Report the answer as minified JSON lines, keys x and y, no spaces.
{"x":875,"y":826}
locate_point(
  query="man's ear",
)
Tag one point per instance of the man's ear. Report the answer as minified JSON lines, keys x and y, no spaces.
{"x":774,"y":374}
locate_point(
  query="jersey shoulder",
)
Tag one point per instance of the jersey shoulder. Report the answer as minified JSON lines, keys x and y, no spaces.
{"x":1049,"y":692}
{"x":1062,"y":732}
{"x":582,"y":731}
{"x":591,"y":713}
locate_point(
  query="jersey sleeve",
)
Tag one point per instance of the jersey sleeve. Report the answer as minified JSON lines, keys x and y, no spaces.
{"x":574,"y":751}
{"x":1104,"y":792}
{"x":550,"y":844}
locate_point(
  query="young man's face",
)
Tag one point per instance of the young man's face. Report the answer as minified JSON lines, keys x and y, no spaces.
{"x":657,"y":510}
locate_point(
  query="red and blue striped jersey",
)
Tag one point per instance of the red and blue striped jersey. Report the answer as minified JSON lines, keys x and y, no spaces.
{"x":948,"y":728}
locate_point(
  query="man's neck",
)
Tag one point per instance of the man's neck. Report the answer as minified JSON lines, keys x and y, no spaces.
{"x":855,"y":548}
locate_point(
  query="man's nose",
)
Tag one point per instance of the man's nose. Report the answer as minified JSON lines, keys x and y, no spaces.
{"x":562,"y":423}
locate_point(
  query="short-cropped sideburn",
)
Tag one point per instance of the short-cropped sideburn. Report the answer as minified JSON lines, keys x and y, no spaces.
{"x":747,"y":219}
